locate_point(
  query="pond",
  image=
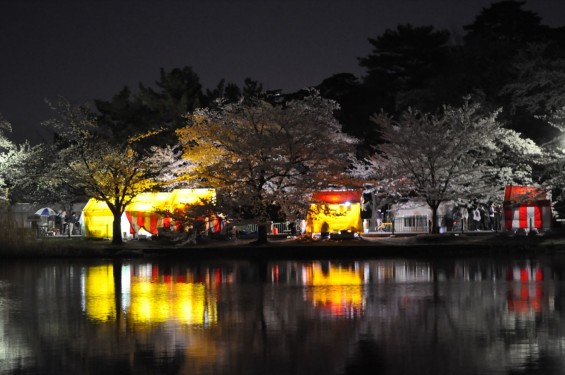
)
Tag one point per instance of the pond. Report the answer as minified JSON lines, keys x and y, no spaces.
{"x":390,"y":316}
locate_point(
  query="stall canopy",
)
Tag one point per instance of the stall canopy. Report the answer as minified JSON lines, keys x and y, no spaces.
{"x":140,"y":214}
{"x":526,"y":207}
{"x":46,"y":211}
{"x":335,"y":210}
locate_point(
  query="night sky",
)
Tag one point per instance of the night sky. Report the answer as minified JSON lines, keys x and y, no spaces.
{"x":85,"y":49}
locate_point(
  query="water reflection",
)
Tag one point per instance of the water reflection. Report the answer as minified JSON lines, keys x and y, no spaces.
{"x":98,"y":293}
{"x":148,"y":296}
{"x":336,"y":290}
{"x":464,"y":316}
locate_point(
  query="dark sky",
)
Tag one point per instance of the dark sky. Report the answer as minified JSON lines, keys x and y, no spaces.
{"x":85,"y":49}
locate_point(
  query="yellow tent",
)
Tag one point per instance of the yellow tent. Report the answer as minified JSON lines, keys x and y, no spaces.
{"x":334,"y":211}
{"x":140,"y":213}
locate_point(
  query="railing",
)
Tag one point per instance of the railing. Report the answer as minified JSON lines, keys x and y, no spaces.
{"x":412,"y":224}
{"x":281,"y":228}
{"x":248,"y":227}
{"x":403,"y":224}
{"x":417,"y":224}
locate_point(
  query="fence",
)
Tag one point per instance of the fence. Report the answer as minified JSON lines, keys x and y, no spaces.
{"x":417,"y":224}
{"x":247,"y":227}
{"x":281,"y":227}
{"x":402,"y":224}
{"x":412,"y":224}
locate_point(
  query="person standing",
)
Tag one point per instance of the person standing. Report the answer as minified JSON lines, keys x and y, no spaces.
{"x":58,"y":223}
{"x":453,"y":219}
{"x":464,"y":218}
{"x":477,"y":218}
{"x":71,"y":223}
{"x":292,"y":228}
{"x":63,"y":218}
{"x":492,"y":223}
{"x":302,"y":227}
{"x":498,"y":218}
{"x":379,"y":219}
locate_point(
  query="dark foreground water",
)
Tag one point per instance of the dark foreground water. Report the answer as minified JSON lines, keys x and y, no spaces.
{"x":464,"y":316}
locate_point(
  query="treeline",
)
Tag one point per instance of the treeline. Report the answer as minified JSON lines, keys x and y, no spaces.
{"x":505,"y":59}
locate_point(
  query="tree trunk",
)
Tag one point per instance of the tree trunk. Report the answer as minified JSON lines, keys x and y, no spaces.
{"x":117,"y":273}
{"x":262,"y":234}
{"x":435,"y":227}
{"x":117,"y":229}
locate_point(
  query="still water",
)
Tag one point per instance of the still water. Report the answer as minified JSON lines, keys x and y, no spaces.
{"x":392,"y":316}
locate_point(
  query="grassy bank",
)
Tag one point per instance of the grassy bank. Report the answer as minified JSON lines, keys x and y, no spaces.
{"x":423,"y":246}
{"x":52,"y":248}
{"x":292,"y":248}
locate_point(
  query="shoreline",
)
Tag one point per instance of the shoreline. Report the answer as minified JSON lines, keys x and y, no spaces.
{"x":360,"y":250}
{"x":420,"y":246}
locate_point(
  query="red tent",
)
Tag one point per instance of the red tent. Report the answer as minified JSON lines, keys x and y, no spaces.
{"x":526,"y":207}
{"x":336,"y":196}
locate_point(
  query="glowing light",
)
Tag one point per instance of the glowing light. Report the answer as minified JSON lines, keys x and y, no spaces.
{"x":337,"y":291}
{"x":152,"y":298}
{"x":336,"y":196}
{"x":336,"y":216}
{"x":99,"y":293}
{"x":98,"y":218}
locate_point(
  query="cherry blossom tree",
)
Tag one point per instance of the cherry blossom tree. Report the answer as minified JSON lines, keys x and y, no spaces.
{"x":554,"y":162}
{"x":13,"y":159}
{"x":89,"y":162}
{"x":460,"y":153}
{"x":261,"y":155}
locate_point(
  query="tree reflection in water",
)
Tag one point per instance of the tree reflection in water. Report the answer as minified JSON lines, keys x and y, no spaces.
{"x":308,"y":317}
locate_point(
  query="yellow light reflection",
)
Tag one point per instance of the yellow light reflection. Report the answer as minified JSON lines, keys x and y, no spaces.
{"x":337,"y":291}
{"x":149,"y":302}
{"x":99,"y":293}
{"x":192,"y":306}
{"x":151,"y":299}
{"x":335,"y":276}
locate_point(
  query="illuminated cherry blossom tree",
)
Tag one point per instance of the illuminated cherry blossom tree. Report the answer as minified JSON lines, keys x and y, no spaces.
{"x":12,"y":161}
{"x":261,"y":155}
{"x":89,"y":162}
{"x":460,"y":153}
{"x":554,"y":161}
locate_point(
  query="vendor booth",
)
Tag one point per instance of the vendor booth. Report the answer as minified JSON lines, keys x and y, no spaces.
{"x":334,"y":211}
{"x":526,"y":207}
{"x":140,"y":216}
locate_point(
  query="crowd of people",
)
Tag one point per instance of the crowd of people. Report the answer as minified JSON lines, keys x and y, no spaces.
{"x":477,"y":217}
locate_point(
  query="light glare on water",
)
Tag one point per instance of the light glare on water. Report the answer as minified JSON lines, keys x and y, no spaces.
{"x":310,"y":317}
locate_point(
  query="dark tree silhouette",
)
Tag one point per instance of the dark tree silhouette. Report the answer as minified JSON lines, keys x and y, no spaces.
{"x":177,"y":92}
{"x":402,"y":63}
{"x":356,"y":106}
